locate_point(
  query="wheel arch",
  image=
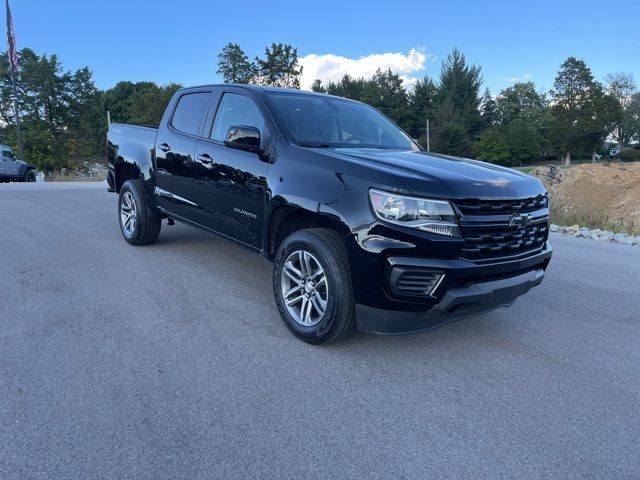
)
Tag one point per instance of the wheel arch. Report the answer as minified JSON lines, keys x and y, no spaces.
{"x":286,"y":218}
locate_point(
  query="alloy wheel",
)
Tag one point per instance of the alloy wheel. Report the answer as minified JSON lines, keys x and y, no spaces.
{"x":304,"y":288}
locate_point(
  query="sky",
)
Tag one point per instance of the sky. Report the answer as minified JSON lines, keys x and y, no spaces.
{"x":168,"y":41}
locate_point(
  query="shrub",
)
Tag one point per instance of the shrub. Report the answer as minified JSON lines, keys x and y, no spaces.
{"x":629,"y":155}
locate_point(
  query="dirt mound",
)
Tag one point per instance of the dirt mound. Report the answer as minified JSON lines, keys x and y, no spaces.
{"x":602,"y":196}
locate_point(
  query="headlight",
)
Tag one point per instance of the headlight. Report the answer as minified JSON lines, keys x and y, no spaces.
{"x":435,"y":216}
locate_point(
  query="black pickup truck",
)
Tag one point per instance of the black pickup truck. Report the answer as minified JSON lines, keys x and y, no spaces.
{"x":365,"y":229}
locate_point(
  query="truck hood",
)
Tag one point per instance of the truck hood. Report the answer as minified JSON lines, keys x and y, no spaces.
{"x":444,"y":176}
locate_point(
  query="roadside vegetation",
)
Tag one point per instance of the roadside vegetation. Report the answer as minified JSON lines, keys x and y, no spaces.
{"x":64,"y":114}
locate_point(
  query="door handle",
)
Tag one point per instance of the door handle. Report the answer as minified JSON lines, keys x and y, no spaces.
{"x":164,"y":147}
{"x":205,"y":158}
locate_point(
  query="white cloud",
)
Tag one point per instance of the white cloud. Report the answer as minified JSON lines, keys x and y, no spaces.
{"x":524,"y":78}
{"x":332,"y":68}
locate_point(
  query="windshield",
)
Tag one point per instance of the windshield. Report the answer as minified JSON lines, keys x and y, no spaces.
{"x":317,"y":121}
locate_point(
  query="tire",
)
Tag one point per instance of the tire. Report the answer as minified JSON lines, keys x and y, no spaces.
{"x":300,"y":292}
{"x":30,"y":176}
{"x":138,"y":224}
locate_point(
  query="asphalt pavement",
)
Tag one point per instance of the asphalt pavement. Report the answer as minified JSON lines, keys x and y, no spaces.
{"x":171,"y":362}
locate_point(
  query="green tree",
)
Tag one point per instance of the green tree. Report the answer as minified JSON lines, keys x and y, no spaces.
{"x":421,"y":100}
{"x":317,"y":86}
{"x":386,"y":93}
{"x":279,"y":67}
{"x":347,"y":87}
{"x":58,"y":111}
{"x":581,"y":111}
{"x":522,"y":142}
{"x":234,"y":65}
{"x":141,"y":103}
{"x":488,"y":109}
{"x":492,"y":147}
{"x":523,"y":117}
{"x":622,"y":88}
{"x":457,"y":103}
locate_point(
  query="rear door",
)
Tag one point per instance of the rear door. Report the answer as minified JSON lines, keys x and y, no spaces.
{"x":175,"y":148}
{"x":231,"y":184}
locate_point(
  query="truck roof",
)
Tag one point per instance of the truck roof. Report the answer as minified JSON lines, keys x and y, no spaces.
{"x":267,"y":88}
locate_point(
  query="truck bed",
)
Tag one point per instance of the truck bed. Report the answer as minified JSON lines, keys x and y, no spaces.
{"x":131,"y":143}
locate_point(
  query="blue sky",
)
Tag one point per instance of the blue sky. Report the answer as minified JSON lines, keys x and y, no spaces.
{"x":168,"y":41}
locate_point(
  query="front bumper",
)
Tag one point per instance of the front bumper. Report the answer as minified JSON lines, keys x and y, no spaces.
{"x":468,"y":289}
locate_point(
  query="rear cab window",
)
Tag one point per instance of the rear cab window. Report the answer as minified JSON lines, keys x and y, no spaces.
{"x":189,"y":112}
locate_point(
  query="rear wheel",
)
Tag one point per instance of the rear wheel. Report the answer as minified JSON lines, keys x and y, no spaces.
{"x":312,"y":286}
{"x":30,"y":176}
{"x":138,"y":224}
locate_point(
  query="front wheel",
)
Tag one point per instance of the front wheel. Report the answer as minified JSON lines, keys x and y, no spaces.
{"x":138,"y":224}
{"x":30,"y":176}
{"x":312,"y":286}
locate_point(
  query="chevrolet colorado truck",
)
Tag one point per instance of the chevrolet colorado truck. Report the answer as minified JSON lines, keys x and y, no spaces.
{"x":14,"y":170}
{"x":365,"y":230}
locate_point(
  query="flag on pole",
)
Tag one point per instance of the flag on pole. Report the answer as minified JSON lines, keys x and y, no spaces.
{"x":11,"y":40}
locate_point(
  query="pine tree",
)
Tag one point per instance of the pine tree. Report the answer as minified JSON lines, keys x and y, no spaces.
{"x":457,"y":105}
{"x":279,"y":67}
{"x":234,"y":65}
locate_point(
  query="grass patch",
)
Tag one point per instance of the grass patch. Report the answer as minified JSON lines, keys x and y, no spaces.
{"x":563,"y":215}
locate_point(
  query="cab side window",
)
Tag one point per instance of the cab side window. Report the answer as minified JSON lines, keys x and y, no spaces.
{"x":188,"y":113}
{"x":236,"y":110}
{"x":6,"y":153}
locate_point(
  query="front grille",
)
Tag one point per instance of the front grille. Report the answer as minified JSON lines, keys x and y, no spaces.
{"x":413,"y":281}
{"x":498,"y":207}
{"x":488,"y":230}
{"x":481,"y":243}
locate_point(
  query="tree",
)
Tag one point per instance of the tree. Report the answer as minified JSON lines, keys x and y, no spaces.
{"x":492,"y":147}
{"x":347,"y":87}
{"x":421,"y":100}
{"x":280,"y":66}
{"x":580,"y":110}
{"x":622,"y":88}
{"x":141,"y":103}
{"x":59,"y":111}
{"x":488,"y":109}
{"x":317,"y":86}
{"x":457,"y":105}
{"x":522,"y":142}
{"x":386,"y":93}
{"x":234,"y":65}
{"x":523,"y":117}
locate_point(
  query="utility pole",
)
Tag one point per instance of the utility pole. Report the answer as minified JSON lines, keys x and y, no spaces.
{"x":428,"y":137}
{"x":13,"y":63}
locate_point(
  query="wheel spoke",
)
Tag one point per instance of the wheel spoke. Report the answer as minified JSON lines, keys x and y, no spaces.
{"x":320,"y":308}
{"x":288,"y":293}
{"x":289,"y":266}
{"x":291,"y":276}
{"x":307,"y":264}
{"x":293,"y":301}
{"x":303,"y":272}
{"x":305,"y":311}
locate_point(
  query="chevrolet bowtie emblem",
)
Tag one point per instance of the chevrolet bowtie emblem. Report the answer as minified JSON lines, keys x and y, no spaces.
{"x":519,"y":220}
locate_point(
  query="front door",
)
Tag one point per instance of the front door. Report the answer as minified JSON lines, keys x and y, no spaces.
{"x":9,"y":165}
{"x":175,"y":149}
{"x":230,"y":184}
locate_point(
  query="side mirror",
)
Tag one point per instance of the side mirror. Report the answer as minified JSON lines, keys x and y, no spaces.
{"x":244,"y":138}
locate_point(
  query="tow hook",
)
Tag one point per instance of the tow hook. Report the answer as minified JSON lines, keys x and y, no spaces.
{"x":170,"y":221}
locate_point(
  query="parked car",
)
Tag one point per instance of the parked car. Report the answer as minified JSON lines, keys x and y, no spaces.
{"x":14,"y":170}
{"x":365,"y":229}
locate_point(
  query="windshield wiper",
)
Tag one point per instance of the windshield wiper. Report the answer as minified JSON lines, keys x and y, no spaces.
{"x":316,"y":145}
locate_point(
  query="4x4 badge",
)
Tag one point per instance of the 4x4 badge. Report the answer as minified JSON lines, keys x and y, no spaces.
{"x":519,"y":220}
